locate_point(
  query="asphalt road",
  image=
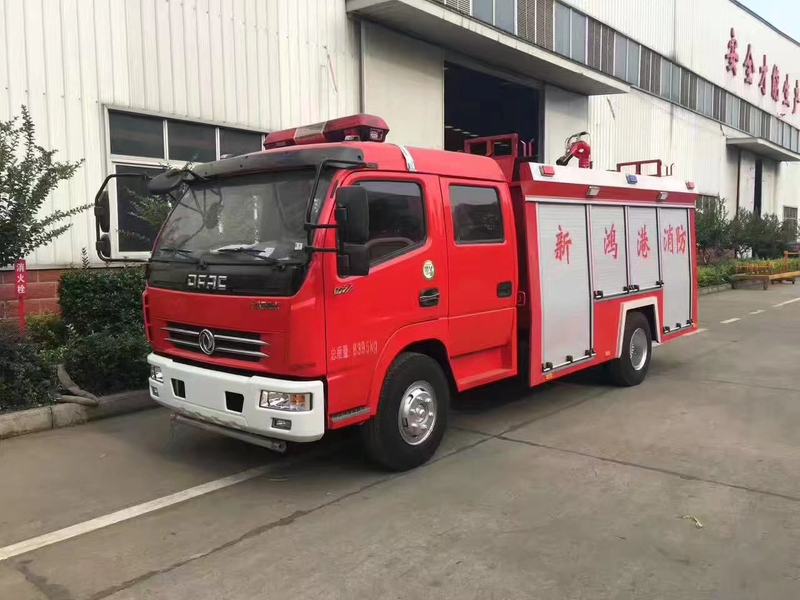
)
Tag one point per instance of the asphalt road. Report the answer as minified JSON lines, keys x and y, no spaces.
{"x":573,"y":490}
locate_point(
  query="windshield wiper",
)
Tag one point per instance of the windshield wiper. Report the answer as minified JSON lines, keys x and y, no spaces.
{"x":185,"y":253}
{"x":249,"y":250}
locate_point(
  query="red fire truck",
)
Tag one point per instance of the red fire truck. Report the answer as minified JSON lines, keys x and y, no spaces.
{"x":334,"y":279}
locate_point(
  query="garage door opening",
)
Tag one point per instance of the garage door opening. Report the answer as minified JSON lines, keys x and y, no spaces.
{"x":480,"y":105}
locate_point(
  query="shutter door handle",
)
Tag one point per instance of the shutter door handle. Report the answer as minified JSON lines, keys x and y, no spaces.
{"x":428,"y":298}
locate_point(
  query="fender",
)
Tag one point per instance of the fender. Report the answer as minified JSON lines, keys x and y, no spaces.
{"x":629,"y":305}
{"x":402,"y":338}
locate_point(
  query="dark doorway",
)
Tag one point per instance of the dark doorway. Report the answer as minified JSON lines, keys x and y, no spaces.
{"x":480,"y":105}
{"x":759,"y":181}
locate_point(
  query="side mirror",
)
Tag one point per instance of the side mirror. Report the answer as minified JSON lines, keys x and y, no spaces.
{"x":103,"y":247}
{"x":352,"y":260}
{"x":102,"y":212}
{"x":352,"y":215}
{"x":102,"y":219}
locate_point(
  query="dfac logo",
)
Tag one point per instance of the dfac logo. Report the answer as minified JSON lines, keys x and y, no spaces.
{"x":206,"y":282}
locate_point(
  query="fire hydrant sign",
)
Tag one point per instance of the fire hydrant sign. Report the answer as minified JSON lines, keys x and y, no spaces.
{"x":21,"y":279}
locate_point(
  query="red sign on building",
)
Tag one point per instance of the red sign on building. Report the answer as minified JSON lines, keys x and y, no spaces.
{"x":770,"y":78}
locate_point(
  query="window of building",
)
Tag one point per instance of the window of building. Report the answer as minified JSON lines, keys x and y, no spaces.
{"x":570,"y":33}
{"x":136,"y":135}
{"x":675,"y":88}
{"x":634,"y":51}
{"x":620,"y":56}
{"x":787,"y":135}
{"x":795,"y":139}
{"x":790,"y":219}
{"x":396,"y":218}
{"x":578,"y":43}
{"x":146,"y":144}
{"x":732,"y":108}
{"x":708,"y":203}
{"x":705,"y":97}
{"x":666,"y":78}
{"x":500,"y":13}
{"x":766,"y":121}
{"x":476,"y":214}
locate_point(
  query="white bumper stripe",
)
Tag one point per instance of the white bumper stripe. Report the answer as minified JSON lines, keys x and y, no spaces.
{"x":205,"y":400}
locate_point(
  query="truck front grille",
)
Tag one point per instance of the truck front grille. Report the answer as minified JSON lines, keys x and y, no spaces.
{"x":235,"y":344}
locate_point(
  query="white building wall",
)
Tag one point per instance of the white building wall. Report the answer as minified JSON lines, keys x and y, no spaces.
{"x":404,"y":84}
{"x":565,"y":114}
{"x":260,"y":64}
{"x":641,"y":126}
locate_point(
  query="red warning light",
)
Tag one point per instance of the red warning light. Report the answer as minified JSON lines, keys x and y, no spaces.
{"x":366,"y":128}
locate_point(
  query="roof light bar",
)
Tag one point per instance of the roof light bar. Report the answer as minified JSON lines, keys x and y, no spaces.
{"x":690,"y":185}
{"x":368,"y":128}
{"x":632,"y":179}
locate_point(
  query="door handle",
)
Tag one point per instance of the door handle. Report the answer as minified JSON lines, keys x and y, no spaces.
{"x":429,"y":297}
{"x":504,"y":289}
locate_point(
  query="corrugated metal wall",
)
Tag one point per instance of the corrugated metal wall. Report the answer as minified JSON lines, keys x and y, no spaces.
{"x":641,"y":126}
{"x":263,"y":64}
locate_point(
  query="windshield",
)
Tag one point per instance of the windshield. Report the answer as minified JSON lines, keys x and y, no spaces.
{"x":247,"y":218}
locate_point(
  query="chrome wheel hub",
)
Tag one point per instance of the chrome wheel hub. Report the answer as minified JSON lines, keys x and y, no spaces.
{"x":638,"y":349}
{"x":417,"y":415}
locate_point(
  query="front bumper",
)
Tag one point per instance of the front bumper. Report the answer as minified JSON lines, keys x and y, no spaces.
{"x":205,"y":400}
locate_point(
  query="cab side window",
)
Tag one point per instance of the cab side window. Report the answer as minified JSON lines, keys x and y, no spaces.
{"x":476,"y":214}
{"x":396,"y":218}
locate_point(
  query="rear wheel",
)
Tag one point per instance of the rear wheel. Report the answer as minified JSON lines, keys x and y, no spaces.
{"x":412,"y":413}
{"x":637,"y":348}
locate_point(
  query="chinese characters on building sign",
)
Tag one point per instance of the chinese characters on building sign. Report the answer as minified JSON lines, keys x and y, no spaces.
{"x":21,"y":278}
{"x":562,"y":245}
{"x":778,"y":93}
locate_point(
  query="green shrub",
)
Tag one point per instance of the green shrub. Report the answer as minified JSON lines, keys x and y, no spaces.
{"x":96,"y":300}
{"x":46,"y":331}
{"x":26,"y":380}
{"x":108,"y":361}
{"x":708,"y":275}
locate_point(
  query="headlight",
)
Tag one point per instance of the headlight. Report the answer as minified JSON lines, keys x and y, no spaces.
{"x":285,"y":401}
{"x":155,"y":374}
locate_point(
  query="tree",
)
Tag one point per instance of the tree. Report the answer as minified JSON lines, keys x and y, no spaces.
{"x":712,"y":230}
{"x":28,"y":174}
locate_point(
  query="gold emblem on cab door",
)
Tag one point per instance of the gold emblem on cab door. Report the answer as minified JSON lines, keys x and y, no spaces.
{"x":428,"y":270}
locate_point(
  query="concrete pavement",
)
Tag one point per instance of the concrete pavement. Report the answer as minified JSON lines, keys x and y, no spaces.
{"x":573,"y":490}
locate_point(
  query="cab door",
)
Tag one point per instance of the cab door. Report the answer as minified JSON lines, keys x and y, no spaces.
{"x":406,"y":284}
{"x":481,"y":251}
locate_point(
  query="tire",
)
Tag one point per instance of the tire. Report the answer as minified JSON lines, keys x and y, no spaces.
{"x":411,"y":380}
{"x":630,"y":369}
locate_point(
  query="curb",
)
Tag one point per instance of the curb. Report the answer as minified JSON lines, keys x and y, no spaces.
{"x":67,"y":415}
{"x":713,"y":289}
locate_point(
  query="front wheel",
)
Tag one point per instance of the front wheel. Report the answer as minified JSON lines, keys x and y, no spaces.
{"x":412,"y":413}
{"x":631,"y":367}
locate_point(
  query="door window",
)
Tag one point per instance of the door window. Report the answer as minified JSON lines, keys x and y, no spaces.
{"x":476,"y":214}
{"x":396,"y":218}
